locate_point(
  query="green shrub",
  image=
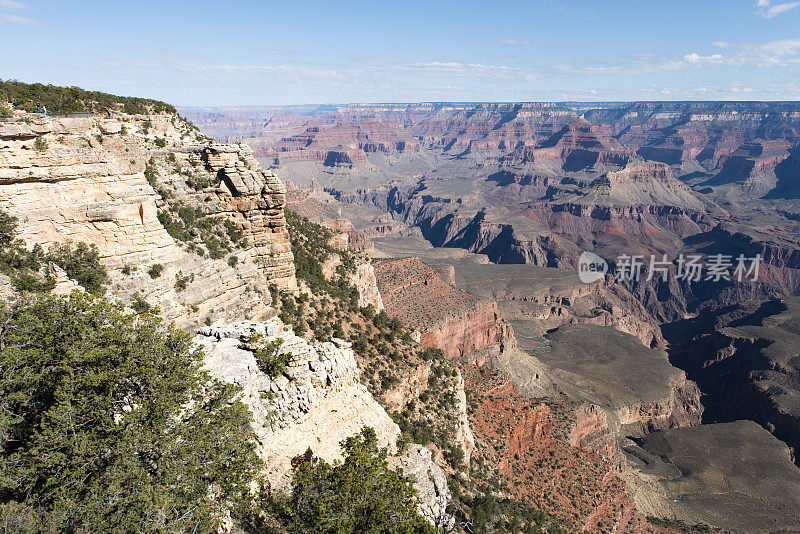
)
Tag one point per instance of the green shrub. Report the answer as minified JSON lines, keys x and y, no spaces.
{"x":160,"y":142}
{"x":17,"y":262}
{"x":40,"y":144}
{"x":311,"y":247}
{"x":182,"y":282}
{"x":150,"y":172}
{"x":155,"y":270}
{"x":33,"y":283}
{"x":233,"y":260}
{"x":81,"y":263}
{"x":358,"y":495}
{"x":139,"y":305}
{"x":99,"y":433}
{"x":271,"y":361}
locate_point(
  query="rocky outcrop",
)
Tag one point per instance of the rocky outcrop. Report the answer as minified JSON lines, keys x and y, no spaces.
{"x":469,"y":332}
{"x":592,"y":433}
{"x":456,"y":322}
{"x":357,"y":241}
{"x":254,"y":199}
{"x":636,"y":386}
{"x":315,"y":404}
{"x":367,"y":285}
{"x":86,"y":182}
{"x":747,"y":484}
{"x":430,"y":483}
{"x":463,"y":434}
{"x":526,"y":443}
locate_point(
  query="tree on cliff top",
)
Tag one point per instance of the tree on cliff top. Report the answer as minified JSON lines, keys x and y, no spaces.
{"x":65,"y":100}
{"x":108,"y":424}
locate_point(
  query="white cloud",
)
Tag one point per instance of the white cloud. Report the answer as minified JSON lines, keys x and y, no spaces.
{"x":768,"y":11}
{"x":698,"y":59}
{"x":781,"y":53}
{"x":22,"y":21}
{"x":11,"y":4}
{"x":472,"y":70}
{"x":515,"y":42}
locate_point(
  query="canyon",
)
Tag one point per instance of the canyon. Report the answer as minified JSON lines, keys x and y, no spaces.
{"x":476,"y":214}
{"x":447,"y":313}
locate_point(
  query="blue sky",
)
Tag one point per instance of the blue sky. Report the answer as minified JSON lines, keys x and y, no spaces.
{"x":261,"y":52}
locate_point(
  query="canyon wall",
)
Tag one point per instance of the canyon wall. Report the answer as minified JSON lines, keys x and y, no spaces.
{"x":315,"y":404}
{"x":459,"y":324}
{"x":86,"y":182}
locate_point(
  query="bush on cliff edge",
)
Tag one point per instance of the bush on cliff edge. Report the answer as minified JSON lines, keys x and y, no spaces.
{"x":108,"y":424}
{"x":358,"y":495}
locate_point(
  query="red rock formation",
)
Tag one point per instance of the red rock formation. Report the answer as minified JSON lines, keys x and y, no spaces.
{"x":448,"y":318}
{"x":591,"y":433}
{"x":527,"y":445}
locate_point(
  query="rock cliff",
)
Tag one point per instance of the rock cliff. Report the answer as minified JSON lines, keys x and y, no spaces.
{"x":315,"y":404}
{"x":447,"y":318}
{"x":88,"y":180}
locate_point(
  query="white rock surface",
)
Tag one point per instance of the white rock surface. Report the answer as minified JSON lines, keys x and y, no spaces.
{"x":316,"y":404}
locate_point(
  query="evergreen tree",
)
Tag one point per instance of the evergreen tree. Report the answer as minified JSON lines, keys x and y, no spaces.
{"x":108,"y":424}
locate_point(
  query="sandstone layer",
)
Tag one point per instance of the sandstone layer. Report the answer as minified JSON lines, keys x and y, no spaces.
{"x":88,"y":184}
{"x":447,"y":318}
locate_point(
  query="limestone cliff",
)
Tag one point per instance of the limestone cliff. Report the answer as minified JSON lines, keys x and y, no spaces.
{"x":254,"y":199}
{"x":367,"y":285}
{"x":84,"y":179}
{"x":317,"y":403}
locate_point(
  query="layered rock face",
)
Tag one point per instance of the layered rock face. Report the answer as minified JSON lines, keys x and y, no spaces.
{"x":86,"y":182}
{"x":534,"y":299}
{"x":447,"y":318}
{"x":255,"y":200}
{"x":592,"y":433}
{"x":540,"y":183}
{"x":81,"y":189}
